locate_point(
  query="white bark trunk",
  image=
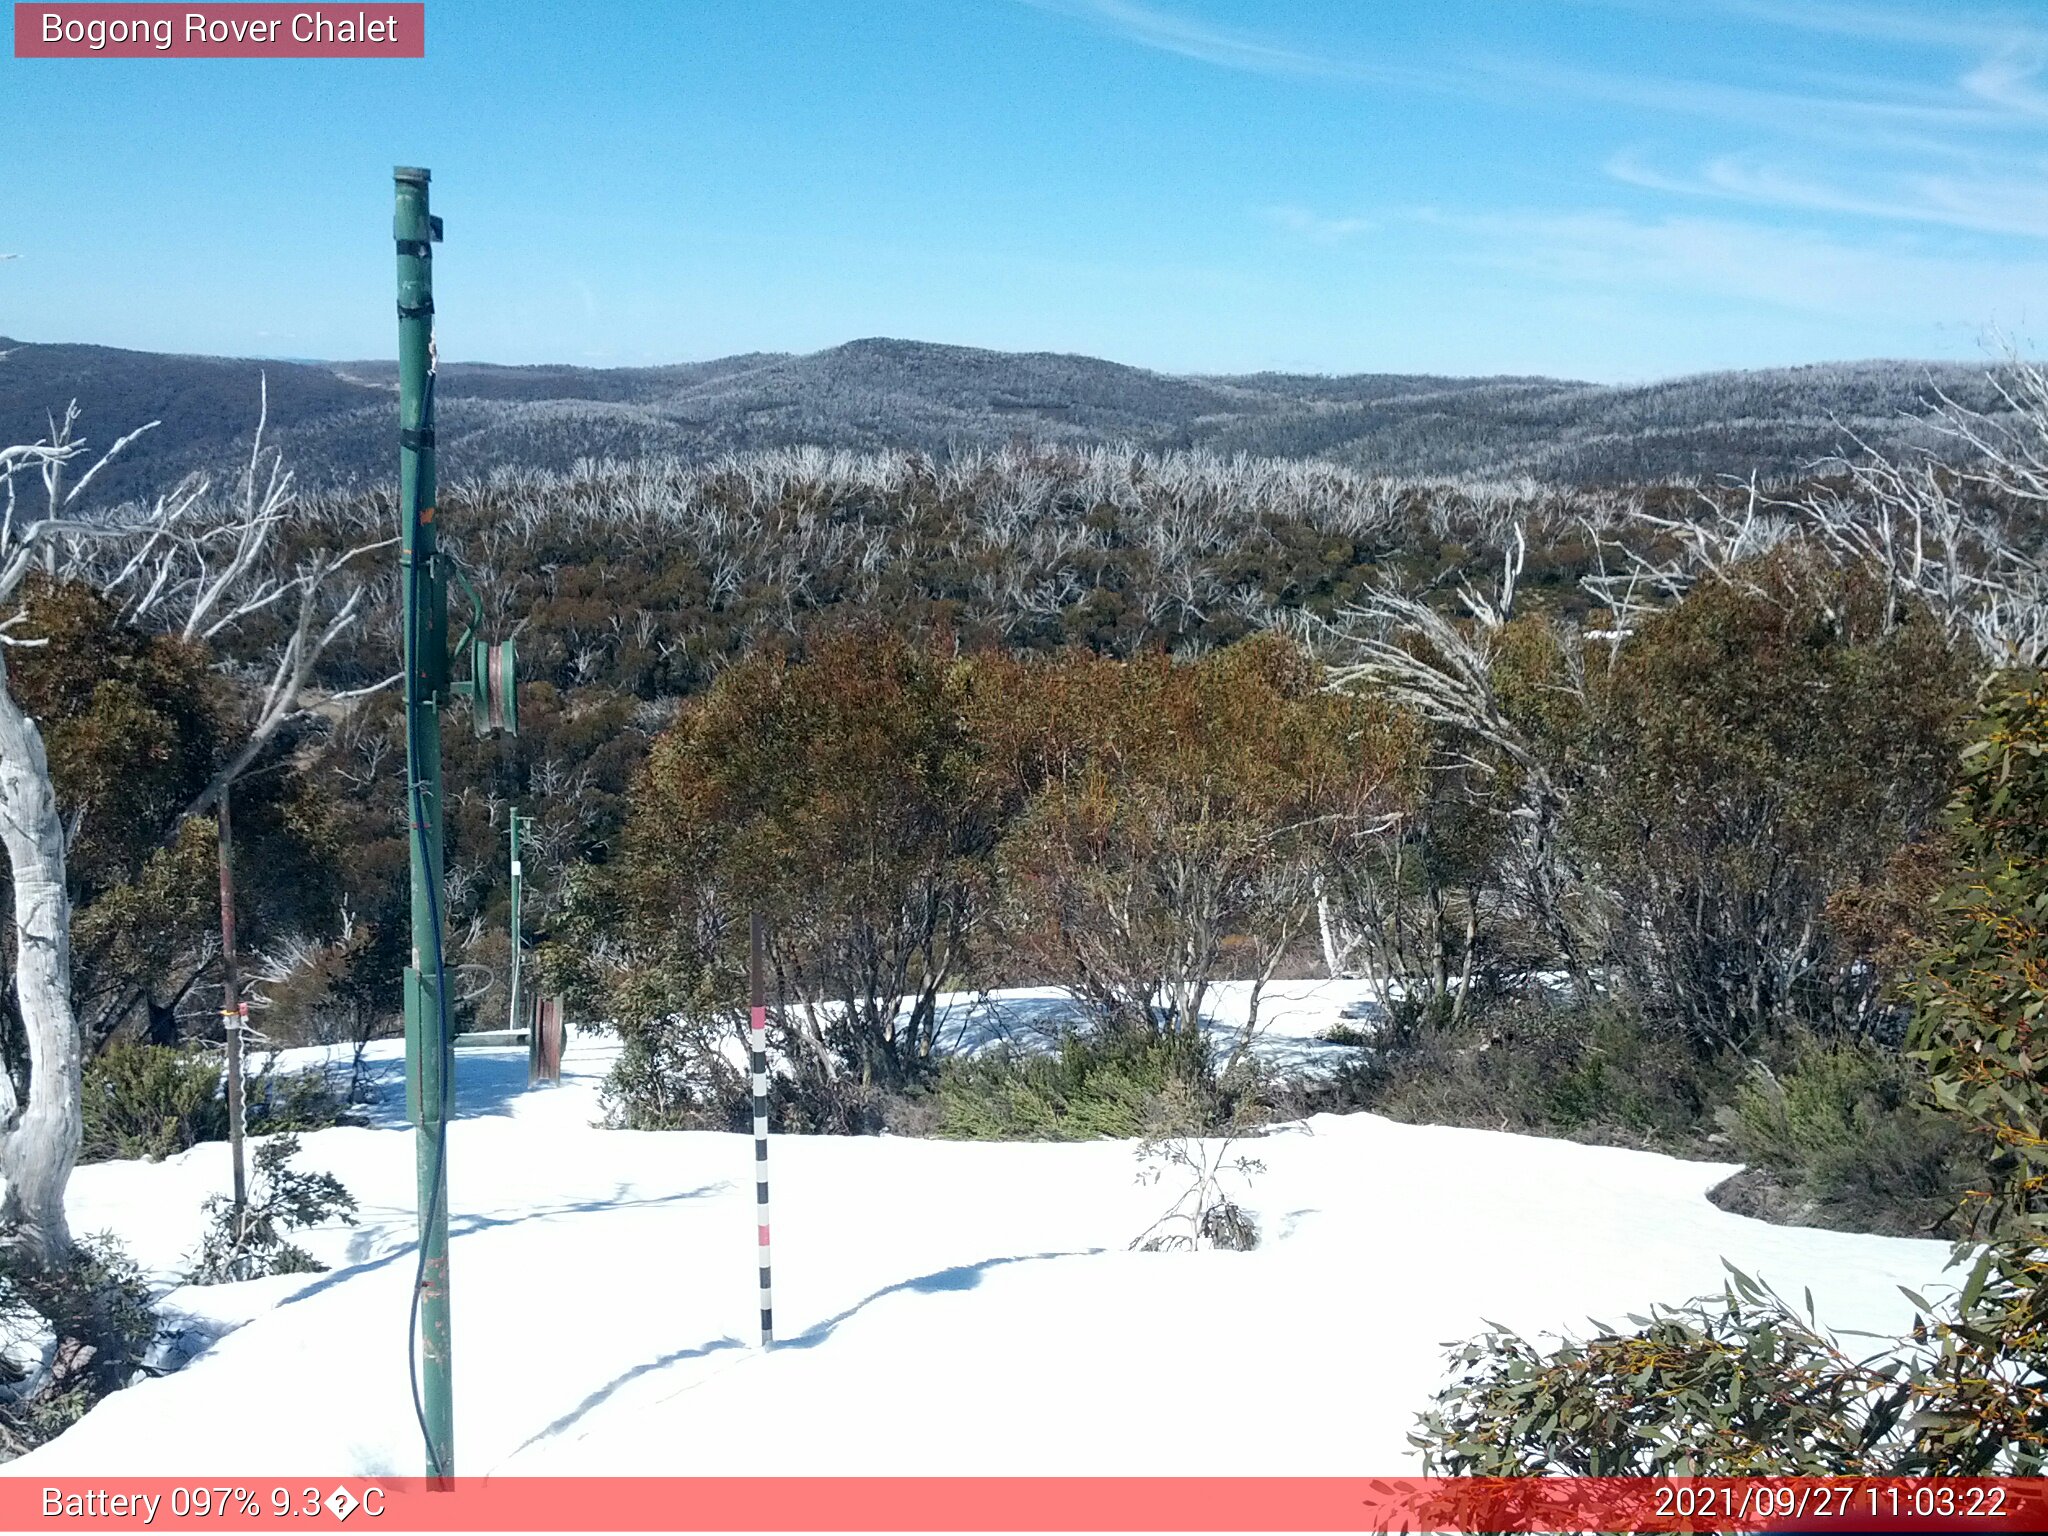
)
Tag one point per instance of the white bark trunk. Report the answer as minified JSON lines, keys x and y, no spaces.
{"x":38,"y":1139}
{"x":1336,"y":950}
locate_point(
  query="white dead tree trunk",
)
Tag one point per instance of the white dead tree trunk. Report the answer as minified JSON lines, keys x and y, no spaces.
{"x":39,"y":1136}
{"x":190,"y":567}
{"x":1337,"y":945}
{"x":39,"y":1129}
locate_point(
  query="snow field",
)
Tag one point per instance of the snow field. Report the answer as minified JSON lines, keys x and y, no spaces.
{"x":959,"y":1308}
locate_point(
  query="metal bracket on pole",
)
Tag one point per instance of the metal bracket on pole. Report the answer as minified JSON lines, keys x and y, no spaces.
{"x":492,"y":686}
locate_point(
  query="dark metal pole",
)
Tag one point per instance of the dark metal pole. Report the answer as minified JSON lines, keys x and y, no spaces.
{"x":429,"y":1061}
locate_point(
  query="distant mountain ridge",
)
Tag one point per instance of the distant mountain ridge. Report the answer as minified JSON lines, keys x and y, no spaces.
{"x":336,"y":420}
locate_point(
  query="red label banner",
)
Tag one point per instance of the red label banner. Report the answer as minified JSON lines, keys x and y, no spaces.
{"x":1842,"y":1505}
{"x":233,"y":31}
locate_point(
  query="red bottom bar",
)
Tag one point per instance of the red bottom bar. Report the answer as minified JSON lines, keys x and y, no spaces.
{"x":1843,"y":1506}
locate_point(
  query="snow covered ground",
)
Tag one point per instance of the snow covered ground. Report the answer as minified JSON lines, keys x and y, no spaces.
{"x":1293,"y":1017}
{"x":966,"y":1308}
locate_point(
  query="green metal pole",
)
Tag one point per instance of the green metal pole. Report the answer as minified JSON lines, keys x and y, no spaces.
{"x":429,"y":1060}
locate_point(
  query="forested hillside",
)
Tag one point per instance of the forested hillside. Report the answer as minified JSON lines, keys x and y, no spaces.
{"x":333,"y":419}
{"x":1624,"y":803}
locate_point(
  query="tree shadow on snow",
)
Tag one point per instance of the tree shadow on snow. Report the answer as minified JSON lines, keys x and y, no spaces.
{"x":604,"y":1393}
{"x":462,"y":1226}
{"x":961,"y":1277}
{"x":489,"y":1080}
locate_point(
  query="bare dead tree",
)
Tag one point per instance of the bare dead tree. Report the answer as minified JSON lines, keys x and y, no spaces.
{"x":189,"y":568}
{"x":1400,"y":646}
{"x":40,"y":1129}
{"x":1943,"y":532}
{"x":206,"y":567}
{"x":1441,"y":668}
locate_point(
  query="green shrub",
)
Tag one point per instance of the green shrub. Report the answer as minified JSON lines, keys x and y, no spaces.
{"x":299,"y":1101}
{"x":154,"y":1101}
{"x":1770,"y":739}
{"x":74,"y":1335}
{"x":151,"y":1101}
{"x":1591,"y":1072}
{"x":1851,"y":1130}
{"x":1983,"y":988}
{"x":1112,"y":1083}
{"x":1742,"y":1384}
{"x":669,"y":1076}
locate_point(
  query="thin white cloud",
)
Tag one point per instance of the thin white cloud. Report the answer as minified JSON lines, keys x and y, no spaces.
{"x":1946,"y":143}
{"x":1951,"y":27}
{"x":1315,"y":226}
{"x":1227,"y":47}
{"x":2008,"y":79}
{"x":2010,"y":54}
{"x":1849,"y":110}
{"x":1984,"y":205}
{"x":1731,"y":259}
{"x":1857,"y":107}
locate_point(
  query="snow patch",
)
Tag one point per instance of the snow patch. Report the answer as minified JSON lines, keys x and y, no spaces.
{"x":967,"y":1308}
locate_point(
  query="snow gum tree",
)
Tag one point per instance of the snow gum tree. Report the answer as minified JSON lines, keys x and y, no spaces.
{"x":909,"y":819}
{"x":1173,"y":819}
{"x":1671,"y":805}
{"x":157,"y":583}
{"x":40,"y":1115}
{"x":130,"y":723}
{"x":1982,"y":993}
{"x":835,"y":795}
{"x":1762,"y":744}
{"x":1748,"y":1383}
{"x":39,"y":1145}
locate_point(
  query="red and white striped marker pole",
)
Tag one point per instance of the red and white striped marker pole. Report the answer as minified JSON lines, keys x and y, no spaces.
{"x":760,"y":1054}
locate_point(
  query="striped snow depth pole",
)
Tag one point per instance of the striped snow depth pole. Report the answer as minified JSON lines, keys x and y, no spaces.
{"x":760,"y":1054}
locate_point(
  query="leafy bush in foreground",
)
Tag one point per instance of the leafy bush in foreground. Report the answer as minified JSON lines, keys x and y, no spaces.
{"x":1742,"y":1384}
{"x":1983,"y":990}
{"x":1745,"y":1385}
{"x":1739,"y":1385}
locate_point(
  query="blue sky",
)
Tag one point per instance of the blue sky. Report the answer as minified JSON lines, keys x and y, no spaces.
{"x":1605,"y":189}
